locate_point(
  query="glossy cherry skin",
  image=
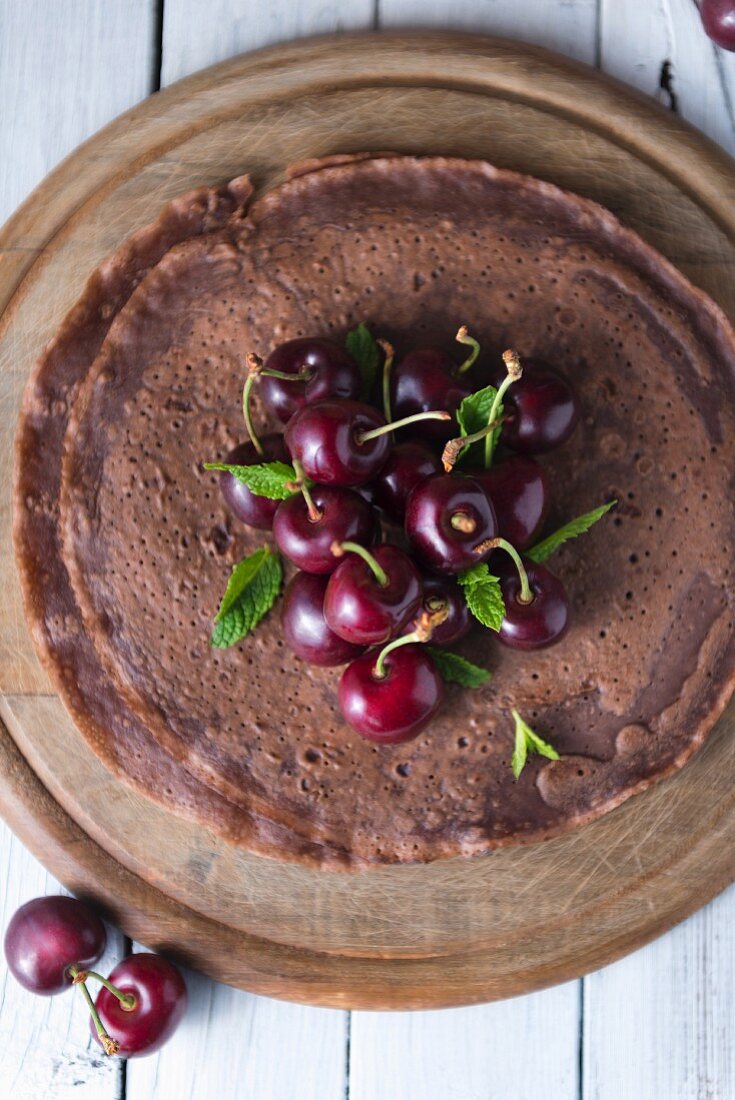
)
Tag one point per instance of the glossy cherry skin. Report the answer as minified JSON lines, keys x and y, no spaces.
{"x":325,"y":439}
{"x":541,"y":622}
{"x":427,"y":379}
{"x":542,"y":410}
{"x":442,"y":592}
{"x":718,"y":20}
{"x":305,"y":629}
{"x":332,"y":372}
{"x":408,"y":464}
{"x":246,"y":506}
{"x":345,"y":516}
{"x":397,"y":707}
{"x":359,"y":609}
{"x":429,"y":513}
{"x":48,"y":935}
{"x":160,"y":994}
{"x":519,"y":490}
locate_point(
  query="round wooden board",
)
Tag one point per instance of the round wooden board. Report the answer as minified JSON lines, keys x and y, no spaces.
{"x":452,"y":932}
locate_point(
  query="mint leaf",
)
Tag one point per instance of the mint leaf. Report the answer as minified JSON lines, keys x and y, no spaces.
{"x":528,"y":741}
{"x":363,"y":348}
{"x":273,"y":480}
{"x":456,"y":670}
{"x":543,"y":550}
{"x":251,"y":592}
{"x":473,"y":415}
{"x":483,"y":595}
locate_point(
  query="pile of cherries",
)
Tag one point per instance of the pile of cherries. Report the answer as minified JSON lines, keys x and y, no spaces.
{"x":380,"y":523}
{"x":51,"y":943}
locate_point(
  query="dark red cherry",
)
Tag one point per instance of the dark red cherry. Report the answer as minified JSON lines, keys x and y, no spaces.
{"x":246,"y":506}
{"x":427,"y":379}
{"x":160,"y":1003}
{"x":541,"y":622}
{"x":48,"y":935}
{"x":366,"y":606}
{"x":542,"y":410}
{"x":396,"y":707}
{"x":408,"y":464}
{"x":304,"y":627}
{"x":718,"y":20}
{"x":326,"y":371}
{"x":442,"y":592}
{"x":341,"y":515}
{"x":446,"y":517}
{"x":326,"y":439}
{"x":519,"y":490}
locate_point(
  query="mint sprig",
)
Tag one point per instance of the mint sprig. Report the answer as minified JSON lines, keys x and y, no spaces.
{"x":483,"y":595}
{"x":528,"y":741}
{"x":363,"y":347}
{"x":457,"y":670}
{"x":274,"y":480}
{"x":251,"y":592}
{"x":544,"y":549}
{"x":473,"y":415}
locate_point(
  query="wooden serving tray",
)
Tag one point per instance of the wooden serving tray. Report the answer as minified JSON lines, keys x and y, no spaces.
{"x":447,"y":933}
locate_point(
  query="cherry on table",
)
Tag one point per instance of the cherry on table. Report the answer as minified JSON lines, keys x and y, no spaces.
{"x":536,"y":611}
{"x":429,"y":378}
{"x":48,"y":935}
{"x":519,"y":490}
{"x":718,"y":20}
{"x":316,"y":369}
{"x":446,"y":517}
{"x":542,"y":410}
{"x":160,"y":998}
{"x":306,"y":526}
{"x":245,"y":505}
{"x":343,"y":442}
{"x":305,"y":629}
{"x":408,"y":464}
{"x":444,"y":593}
{"x":371,"y":595}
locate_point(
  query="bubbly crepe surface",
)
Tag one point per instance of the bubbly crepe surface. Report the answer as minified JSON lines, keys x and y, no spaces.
{"x":126,"y":546}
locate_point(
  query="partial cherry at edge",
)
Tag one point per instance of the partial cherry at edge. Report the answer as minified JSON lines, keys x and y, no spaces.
{"x":345,"y":516}
{"x":305,"y":629}
{"x":544,"y":620}
{"x":518,"y":487}
{"x":396,"y":708}
{"x":247,"y":506}
{"x":333,"y":373}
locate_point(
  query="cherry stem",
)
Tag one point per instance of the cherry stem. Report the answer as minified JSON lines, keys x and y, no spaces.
{"x":526,"y":595}
{"x":340,"y":548}
{"x":515,"y":370}
{"x":109,"y":1045}
{"x":454,"y":447}
{"x":387,"y":367}
{"x":426,"y":624}
{"x":314,"y":513}
{"x":304,"y":374}
{"x":127,"y":1000}
{"x":464,"y":337}
{"x":247,"y":415}
{"x":364,"y":437}
{"x":460,"y":521}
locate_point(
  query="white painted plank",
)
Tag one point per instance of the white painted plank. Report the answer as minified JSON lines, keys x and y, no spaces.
{"x":568,"y":26}
{"x":661,"y":1023}
{"x":66,"y":69}
{"x":234,"y":1045}
{"x":193,"y":40}
{"x":46,"y":1049}
{"x":522,"y":1049}
{"x":637,"y":38}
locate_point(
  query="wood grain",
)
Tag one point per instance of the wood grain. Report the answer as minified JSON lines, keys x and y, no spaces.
{"x":452,"y":930}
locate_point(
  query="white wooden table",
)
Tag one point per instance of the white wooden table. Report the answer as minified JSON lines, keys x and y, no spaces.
{"x":660,"y":1025}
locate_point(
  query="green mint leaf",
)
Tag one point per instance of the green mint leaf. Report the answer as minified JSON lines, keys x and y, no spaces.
{"x":483,"y":595}
{"x":543,"y":550}
{"x":251,"y":592}
{"x":363,"y":348}
{"x":527,"y":741}
{"x":456,"y":670}
{"x":472,"y":416}
{"x":273,"y":480}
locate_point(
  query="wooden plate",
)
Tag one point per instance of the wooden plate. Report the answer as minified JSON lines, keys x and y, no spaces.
{"x":452,"y":932}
